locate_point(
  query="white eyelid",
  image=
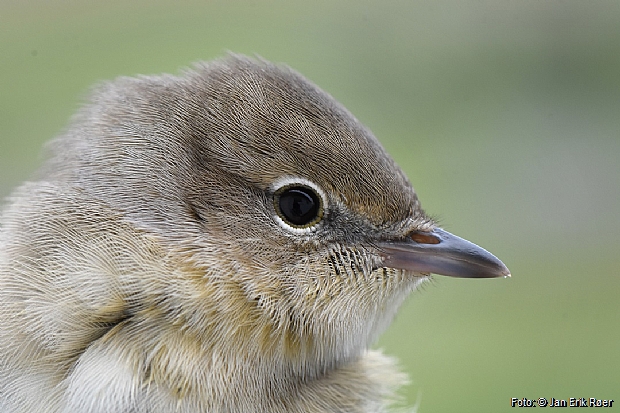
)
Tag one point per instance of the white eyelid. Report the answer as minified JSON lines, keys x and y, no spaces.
{"x":295,"y":180}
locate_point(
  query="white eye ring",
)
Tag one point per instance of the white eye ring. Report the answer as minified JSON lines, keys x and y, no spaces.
{"x":286,"y":182}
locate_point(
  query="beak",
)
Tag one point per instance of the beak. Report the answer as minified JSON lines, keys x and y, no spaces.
{"x":442,"y":253}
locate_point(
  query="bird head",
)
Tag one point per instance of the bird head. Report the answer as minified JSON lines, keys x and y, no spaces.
{"x":284,"y":225}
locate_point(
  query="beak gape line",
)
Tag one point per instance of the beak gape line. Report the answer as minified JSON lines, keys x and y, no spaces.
{"x":443,"y":253}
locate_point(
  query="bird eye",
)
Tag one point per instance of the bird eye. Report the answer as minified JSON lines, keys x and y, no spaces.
{"x":298,"y":205}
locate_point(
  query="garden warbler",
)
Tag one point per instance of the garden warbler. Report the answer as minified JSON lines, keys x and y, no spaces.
{"x":227,"y":240}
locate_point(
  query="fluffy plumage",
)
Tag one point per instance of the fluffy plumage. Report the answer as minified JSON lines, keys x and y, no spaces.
{"x":147,"y":270}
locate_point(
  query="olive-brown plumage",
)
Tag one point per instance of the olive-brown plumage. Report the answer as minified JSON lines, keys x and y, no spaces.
{"x":228,"y":240}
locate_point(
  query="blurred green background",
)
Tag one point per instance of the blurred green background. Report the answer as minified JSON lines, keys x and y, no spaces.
{"x":504,"y":114}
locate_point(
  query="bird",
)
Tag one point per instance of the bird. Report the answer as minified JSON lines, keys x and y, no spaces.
{"x":227,"y":239}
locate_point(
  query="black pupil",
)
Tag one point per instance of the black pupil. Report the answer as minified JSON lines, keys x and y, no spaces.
{"x":299,"y":205}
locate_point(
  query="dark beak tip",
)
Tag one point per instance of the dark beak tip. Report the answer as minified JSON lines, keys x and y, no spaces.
{"x":443,"y":253}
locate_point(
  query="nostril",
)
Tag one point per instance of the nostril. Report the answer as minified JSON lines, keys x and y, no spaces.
{"x":424,"y":237}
